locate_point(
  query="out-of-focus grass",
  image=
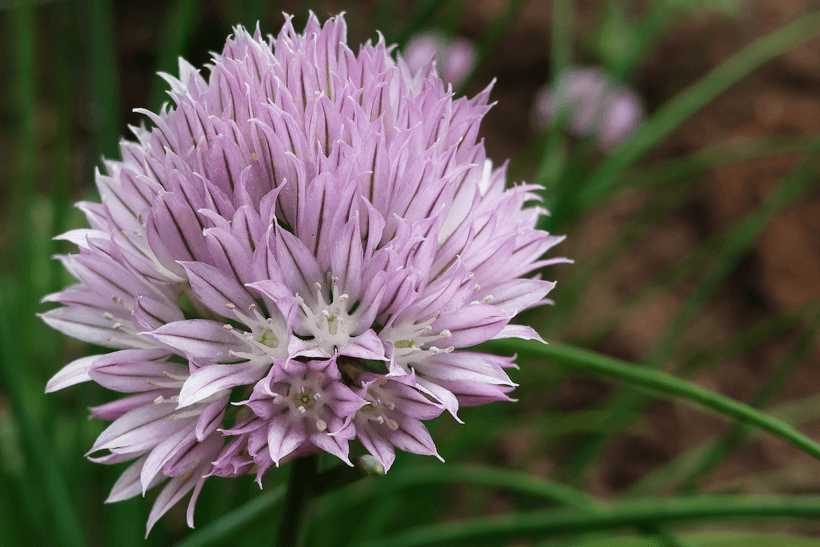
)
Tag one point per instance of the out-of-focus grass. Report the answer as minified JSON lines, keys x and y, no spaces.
{"x":50,"y":495}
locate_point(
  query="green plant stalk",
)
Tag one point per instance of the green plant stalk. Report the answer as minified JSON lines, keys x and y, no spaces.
{"x":490,"y":38}
{"x":589,"y":362}
{"x":561,"y":317}
{"x":667,"y":119}
{"x":497,"y":529}
{"x":660,"y":177}
{"x":739,"y":432}
{"x":221,"y":529}
{"x":748,"y":338}
{"x":563,"y":27}
{"x":297,"y":501}
{"x":421,"y":15}
{"x":513,"y":481}
{"x":66,"y":523}
{"x":737,"y":245}
{"x":105,"y":85}
{"x":711,"y":158}
{"x":26,"y":152}
{"x":178,"y":29}
{"x":663,"y":478}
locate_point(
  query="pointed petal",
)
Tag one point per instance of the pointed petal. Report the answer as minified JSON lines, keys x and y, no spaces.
{"x":199,"y":339}
{"x":284,"y":436}
{"x":73,"y":373}
{"x":170,"y":495}
{"x":212,"y":379}
{"x":128,"y":484}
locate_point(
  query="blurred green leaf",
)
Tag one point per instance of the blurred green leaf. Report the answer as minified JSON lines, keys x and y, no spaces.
{"x":520,"y":483}
{"x":738,"y":243}
{"x":498,"y":529}
{"x":603,"y":180}
{"x":712,"y":539}
{"x":582,"y":360}
{"x":221,"y":529}
{"x":178,"y":29}
{"x":671,"y":473}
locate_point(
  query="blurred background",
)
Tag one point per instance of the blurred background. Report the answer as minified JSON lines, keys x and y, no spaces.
{"x":687,"y":257}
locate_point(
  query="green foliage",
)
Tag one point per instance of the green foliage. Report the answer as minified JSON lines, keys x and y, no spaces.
{"x":497,"y":462}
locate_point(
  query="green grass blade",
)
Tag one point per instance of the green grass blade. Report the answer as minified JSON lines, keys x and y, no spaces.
{"x":498,"y":529}
{"x":713,"y":539}
{"x":179,"y":25}
{"x":739,"y":432}
{"x":711,"y":158}
{"x":589,"y":362}
{"x":563,"y":28}
{"x":221,"y":529}
{"x":748,"y":338}
{"x":66,"y":524}
{"x":26,"y":151}
{"x":105,"y":85}
{"x":492,"y":36}
{"x":603,"y":180}
{"x":673,"y":472}
{"x":737,"y":245}
{"x":514,"y":481}
{"x":423,"y":11}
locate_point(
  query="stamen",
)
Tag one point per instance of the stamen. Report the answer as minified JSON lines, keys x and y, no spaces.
{"x":108,"y":316}
{"x":392,"y":424}
{"x":230,"y":306}
{"x":321,"y":425}
{"x":487,"y":299}
{"x":226,"y":326}
{"x":446,"y":333}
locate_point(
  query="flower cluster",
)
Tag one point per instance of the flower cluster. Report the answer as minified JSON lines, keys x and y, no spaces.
{"x":596,"y":106}
{"x":296,"y":255}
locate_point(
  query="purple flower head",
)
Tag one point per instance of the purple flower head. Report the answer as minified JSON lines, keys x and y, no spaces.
{"x":595,"y":105}
{"x":319,"y":233}
{"x":455,"y":59}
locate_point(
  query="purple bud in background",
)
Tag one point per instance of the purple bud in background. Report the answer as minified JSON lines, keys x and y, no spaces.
{"x":314,"y":232}
{"x":621,"y":116}
{"x":455,"y":58}
{"x":594,"y":104}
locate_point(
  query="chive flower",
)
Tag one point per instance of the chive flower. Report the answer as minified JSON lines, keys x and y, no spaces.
{"x":298,"y":253}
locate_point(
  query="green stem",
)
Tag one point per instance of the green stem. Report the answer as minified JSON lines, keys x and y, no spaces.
{"x":219,"y":531}
{"x":739,"y":432}
{"x":496,"y":529}
{"x":604,"y":180}
{"x":601,"y":365}
{"x":302,"y":475}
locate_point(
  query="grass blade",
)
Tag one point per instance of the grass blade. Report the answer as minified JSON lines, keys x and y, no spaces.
{"x":737,"y":245}
{"x":739,"y":432}
{"x":497,"y":529}
{"x":514,"y":481}
{"x":589,"y":362}
{"x":216,"y":532}
{"x":604,"y":179}
{"x":66,"y":524}
{"x":179,"y":26}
